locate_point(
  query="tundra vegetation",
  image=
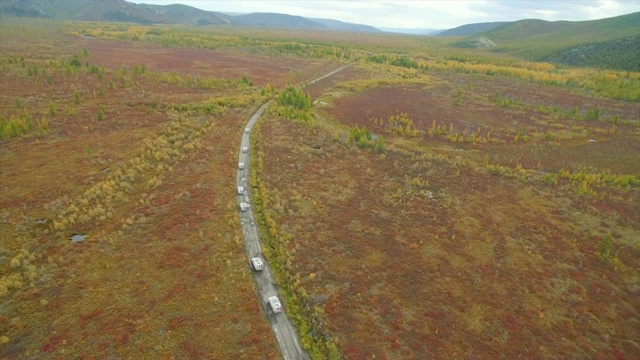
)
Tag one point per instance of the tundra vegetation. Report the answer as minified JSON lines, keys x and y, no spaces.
{"x":427,"y":201}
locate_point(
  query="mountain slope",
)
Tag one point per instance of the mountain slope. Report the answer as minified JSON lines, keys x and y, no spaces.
{"x":276,"y":20}
{"x":524,"y":28}
{"x":93,"y":10}
{"x":86,"y":10}
{"x":183,"y":14}
{"x":345,"y":26}
{"x":470,"y":29}
{"x":123,"y":11}
{"x":609,"y":43}
{"x":18,"y":9}
{"x":620,"y":54}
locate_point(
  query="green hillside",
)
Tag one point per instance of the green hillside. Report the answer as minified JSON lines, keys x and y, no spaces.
{"x":470,"y":29}
{"x":276,"y":20}
{"x":124,"y":11}
{"x":606,"y":43}
{"x":524,"y":29}
{"x":183,"y":14}
{"x":617,"y":54}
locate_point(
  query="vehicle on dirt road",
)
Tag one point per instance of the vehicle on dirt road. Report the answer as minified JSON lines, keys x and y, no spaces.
{"x":257,"y":264}
{"x":274,"y":302}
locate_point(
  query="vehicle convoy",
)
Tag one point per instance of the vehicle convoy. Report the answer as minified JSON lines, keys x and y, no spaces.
{"x":274,"y":302}
{"x":283,"y":329}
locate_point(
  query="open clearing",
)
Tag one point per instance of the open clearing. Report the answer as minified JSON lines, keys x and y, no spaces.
{"x":423,"y":205}
{"x":456,"y":247}
{"x":135,"y":148}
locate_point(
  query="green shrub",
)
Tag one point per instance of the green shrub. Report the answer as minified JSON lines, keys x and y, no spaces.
{"x":294,"y":104}
{"x":52,"y":109}
{"x":101,"y":113}
{"x":364,"y":139}
{"x":76,"y":97}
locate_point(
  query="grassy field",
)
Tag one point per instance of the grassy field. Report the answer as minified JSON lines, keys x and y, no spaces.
{"x":500,"y":220}
{"x":133,"y":146}
{"x":427,"y":202}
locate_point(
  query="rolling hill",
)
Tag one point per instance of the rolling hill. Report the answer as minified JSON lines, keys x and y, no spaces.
{"x":345,"y":26}
{"x":183,"y":14}
{"x":470,"y":29}
{"x":598,"y":43}
{"x":524,"y":29}
{"x":123,"y":11}
{"x":606,"y":43}
{"x":277,"y":21}
{"x":109,"y":10}
{"x":594,"y":30}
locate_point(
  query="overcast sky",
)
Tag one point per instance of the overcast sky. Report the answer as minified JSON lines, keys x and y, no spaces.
{"x":430,"y":14}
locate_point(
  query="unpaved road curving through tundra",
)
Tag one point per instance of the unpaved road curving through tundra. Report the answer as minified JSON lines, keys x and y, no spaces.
{"x":286,"y":334}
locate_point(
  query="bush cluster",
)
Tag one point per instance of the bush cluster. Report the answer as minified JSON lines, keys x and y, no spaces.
{"x":364,"y":139}
{"x":400,"y":124}
{"x":179,"y":137}
{"x":294,"y":104}
{"x":18,"y":125}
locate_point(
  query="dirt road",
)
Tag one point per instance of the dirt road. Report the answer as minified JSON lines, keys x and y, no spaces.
{"x":282,"y":327}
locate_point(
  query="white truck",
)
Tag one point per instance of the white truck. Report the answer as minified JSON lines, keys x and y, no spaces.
{"x":257,"y":264}
{"x":274,"y":302}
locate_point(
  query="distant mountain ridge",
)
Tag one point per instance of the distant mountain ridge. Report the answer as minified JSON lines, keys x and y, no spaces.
{"x":471,"y":29}
{"x":412,"y":31}
{"x":276,"y":20}
{"x":526,"y":28}
{"x":346,"y":26}
{"x":183,"y":14}
{"x":609,"y":43}
{"x":123,"y":11}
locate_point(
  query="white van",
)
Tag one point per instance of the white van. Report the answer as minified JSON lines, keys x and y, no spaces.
{"x":257,"y":264}
{"x":245,"y":149}
{"x":241,"y":166}
{"x":246,"y":130}
{"x":275,"y":304}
